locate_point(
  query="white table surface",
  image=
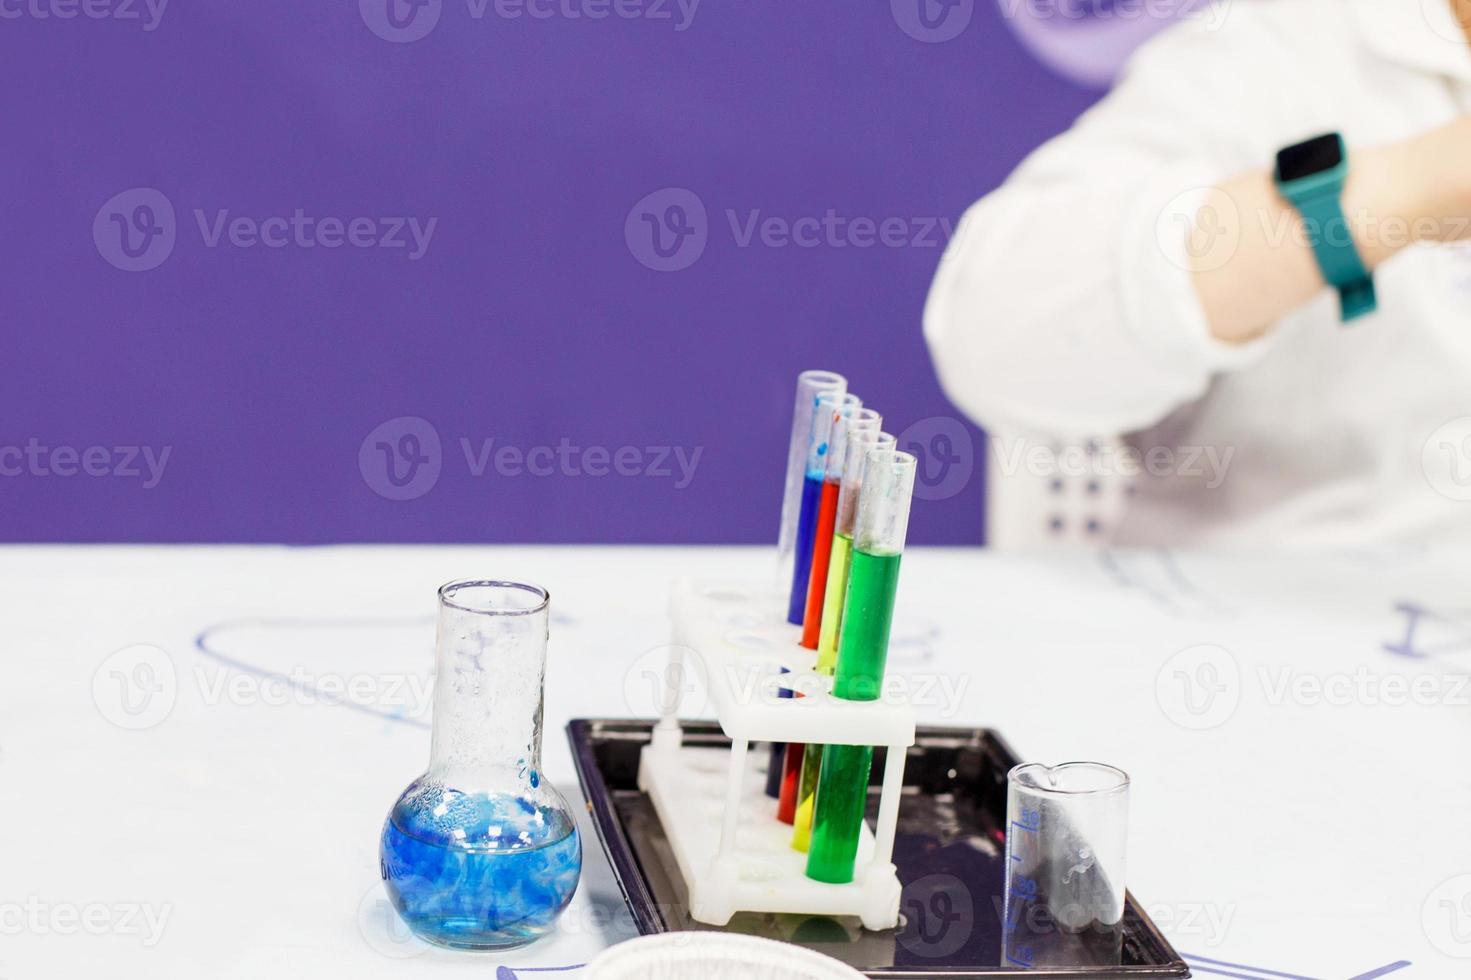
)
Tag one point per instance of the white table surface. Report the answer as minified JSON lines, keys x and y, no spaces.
{"x":1303,"y":833}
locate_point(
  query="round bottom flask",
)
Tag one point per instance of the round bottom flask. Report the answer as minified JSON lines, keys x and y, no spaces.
{"x":481,"y":852}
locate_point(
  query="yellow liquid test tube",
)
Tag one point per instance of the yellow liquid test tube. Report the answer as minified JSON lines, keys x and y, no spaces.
{"x":832,"y":603}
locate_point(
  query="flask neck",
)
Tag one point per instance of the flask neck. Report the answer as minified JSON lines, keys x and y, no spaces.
{"x":489,"y":668}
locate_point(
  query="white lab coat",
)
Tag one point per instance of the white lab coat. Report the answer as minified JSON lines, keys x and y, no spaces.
{"x":1063,"y":307}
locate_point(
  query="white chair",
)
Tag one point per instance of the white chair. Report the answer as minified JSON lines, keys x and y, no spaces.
{"x":1054,"y":493}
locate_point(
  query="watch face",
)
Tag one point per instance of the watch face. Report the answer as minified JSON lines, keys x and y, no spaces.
{"x":1310,"y":157}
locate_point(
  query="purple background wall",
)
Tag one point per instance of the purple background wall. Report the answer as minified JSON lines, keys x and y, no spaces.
{"x":533,"y":315}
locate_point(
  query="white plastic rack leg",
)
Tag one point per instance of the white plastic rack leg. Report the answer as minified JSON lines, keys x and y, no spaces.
{"x":732,"y":642}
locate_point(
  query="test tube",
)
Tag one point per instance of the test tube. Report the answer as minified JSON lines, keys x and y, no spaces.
{"x":859,"y":443}
{"x":863,"y":645}
{"x":1066,"y":832}
{"x":828,"y":408}
{"x":848,"y":416}
{"x":842,"y":548}
{"x":846,"y":423}
{"x":810,"y":384}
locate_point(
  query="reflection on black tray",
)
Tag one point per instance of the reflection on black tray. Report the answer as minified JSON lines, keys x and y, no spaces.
{"x":950,"y":852}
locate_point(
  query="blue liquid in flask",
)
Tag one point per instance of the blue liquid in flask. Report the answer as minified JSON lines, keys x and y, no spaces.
{"x":478,"y":871}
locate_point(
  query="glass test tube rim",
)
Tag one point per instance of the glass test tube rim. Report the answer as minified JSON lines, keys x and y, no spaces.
{"x":450,"y":590}
{"x":839,"y":398}
{"x":810,"y":384}
{"x":882,"y":442}
{"x":884,"y":470}
{"x":837,"y":405}
{"x":822,"y":379}
{"x":876,"y":440}
{"x":1120,"y":786}
{"x":860,"y":418}
{"x":852,"y":475}
{"x":889,"y":456}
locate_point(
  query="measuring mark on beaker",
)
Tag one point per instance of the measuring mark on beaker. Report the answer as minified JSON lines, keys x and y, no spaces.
{"x":1021,"y":889}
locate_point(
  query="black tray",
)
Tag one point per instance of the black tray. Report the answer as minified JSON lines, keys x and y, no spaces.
{"x":949,"y":851}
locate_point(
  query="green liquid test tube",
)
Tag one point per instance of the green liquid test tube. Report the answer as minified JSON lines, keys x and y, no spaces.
{"x":842,"y":795}
{"x":872,"y":581}
{"x":863,"y":648}
{"x":859,"y":443}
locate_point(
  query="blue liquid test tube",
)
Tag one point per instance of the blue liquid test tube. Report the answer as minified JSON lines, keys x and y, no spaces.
{"x":827,"y":409}
{"x":811,"y":385}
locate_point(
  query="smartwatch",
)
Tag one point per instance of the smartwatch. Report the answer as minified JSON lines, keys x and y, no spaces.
{"x":1310,"y":176}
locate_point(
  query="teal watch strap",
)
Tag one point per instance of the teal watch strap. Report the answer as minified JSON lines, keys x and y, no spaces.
{"x":1311,"y":175}
{"x":1338,"y":256}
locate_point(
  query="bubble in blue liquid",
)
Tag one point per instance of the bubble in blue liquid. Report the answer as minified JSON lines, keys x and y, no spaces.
{"x":476,"y":871}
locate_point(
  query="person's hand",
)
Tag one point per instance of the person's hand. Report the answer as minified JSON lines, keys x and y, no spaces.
{"x":1417,"y":190}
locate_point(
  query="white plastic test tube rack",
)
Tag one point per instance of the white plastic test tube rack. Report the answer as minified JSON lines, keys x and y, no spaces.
{"x":730,"y":642}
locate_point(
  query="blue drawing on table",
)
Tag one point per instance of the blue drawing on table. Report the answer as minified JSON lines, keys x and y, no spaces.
{"x":330,"y":650}
{"x":1158,"y":575}
{"x":1431,"y":633}
{"x":1225,"y":968}
{"x":278,"y":650}
{"x":914,"y":638}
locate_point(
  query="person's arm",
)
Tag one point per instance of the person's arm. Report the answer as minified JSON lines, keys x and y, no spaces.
{"x":1072,"y":300}
{"x":1415,"y":190}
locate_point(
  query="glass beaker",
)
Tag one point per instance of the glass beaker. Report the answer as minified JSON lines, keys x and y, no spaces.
{"x":482,"y":852}
{"x":1066,"y":830}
